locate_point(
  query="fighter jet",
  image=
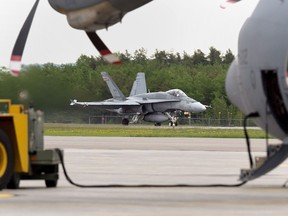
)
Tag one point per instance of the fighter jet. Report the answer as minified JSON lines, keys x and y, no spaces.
{"x":156,"y":107}
{"x":257,"y":80}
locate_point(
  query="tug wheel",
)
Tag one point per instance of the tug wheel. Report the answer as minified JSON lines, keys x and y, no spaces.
{"x":14,"y":181}
{"x":51,"y":183}
{"x":6,"y":160}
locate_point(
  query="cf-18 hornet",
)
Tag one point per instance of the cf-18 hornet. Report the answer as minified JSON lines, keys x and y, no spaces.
{"x":156,"y":107}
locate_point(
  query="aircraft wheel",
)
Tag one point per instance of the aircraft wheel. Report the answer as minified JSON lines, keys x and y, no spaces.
{"x":125,"y":121}
{"x":157,"y":124}
{"x":6,"y":160}
{"x":173,"y":124}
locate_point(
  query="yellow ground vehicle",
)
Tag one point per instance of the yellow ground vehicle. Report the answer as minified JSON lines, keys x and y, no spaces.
{"x":22,"y":153}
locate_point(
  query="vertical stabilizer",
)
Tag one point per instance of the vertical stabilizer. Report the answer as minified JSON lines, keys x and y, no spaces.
{"x":115,"y":91}
{"x":139,"y":85}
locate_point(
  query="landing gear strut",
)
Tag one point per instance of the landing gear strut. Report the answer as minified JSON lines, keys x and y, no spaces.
{"x":173,"y":120}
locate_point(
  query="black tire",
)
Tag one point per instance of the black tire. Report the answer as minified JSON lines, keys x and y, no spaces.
{"x":51,"y":183}
{"x":14,"y":181}
{"x":51,"y":169}
{"x":125,"y":121}
{"x":6,"y":160}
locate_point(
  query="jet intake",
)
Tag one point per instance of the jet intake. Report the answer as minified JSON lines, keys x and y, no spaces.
{"x":155,"y":117}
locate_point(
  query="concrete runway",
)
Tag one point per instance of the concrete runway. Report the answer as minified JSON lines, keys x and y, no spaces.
{"x":103,"y":160}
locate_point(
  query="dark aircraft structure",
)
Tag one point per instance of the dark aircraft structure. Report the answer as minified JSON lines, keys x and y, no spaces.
{"x":86,"y":15}
{"x":257,"y":80}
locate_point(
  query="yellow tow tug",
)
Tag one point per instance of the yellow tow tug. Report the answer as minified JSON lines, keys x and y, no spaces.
{"x":22,"y":153}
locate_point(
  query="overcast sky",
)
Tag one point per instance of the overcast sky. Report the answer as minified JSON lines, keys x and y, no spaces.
{"x":171,"y":25}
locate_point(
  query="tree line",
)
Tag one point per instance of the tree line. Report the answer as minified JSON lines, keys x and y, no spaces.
{"x":50,"y":87}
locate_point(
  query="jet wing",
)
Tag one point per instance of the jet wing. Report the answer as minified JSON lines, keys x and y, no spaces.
{"x":113,"y":104}
{"x":106,"y":104}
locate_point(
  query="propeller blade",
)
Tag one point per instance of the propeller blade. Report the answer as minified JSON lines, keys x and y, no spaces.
{"x":103,"y":49}
{"x":15,"y":61}
{"x":225,"y":4}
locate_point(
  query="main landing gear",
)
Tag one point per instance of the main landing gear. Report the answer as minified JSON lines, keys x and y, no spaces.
{"x":125,"y":121}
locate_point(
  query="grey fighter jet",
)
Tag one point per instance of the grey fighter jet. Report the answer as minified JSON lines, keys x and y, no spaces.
{"x":155,"y":107}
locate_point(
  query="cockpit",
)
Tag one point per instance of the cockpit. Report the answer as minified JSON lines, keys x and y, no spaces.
{"x":176,"y":93}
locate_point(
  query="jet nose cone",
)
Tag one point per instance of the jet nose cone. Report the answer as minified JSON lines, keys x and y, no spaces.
{"x":202,"y":107}
{"x":198,"y":107}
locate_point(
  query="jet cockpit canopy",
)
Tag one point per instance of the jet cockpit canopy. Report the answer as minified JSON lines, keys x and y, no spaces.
{"x":176,"y":93}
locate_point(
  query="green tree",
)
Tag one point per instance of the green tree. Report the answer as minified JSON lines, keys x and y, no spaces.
{"x":199,"y":57}
{"x":140,"y":56}
{"x":228,"y":57}
{"x":214,"y":56}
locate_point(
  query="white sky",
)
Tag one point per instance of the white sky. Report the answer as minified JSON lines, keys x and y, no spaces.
{"x":171,"y":25}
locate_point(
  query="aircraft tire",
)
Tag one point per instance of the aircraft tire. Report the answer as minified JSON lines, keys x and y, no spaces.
{"x":125,"y":121}
{"x":173,"y":124}
{"x":6,"y":160}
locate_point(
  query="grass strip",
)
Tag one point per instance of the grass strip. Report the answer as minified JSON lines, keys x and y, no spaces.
{"x":147,"y":131}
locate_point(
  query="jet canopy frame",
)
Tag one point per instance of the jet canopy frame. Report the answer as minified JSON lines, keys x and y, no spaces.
{"x":176,"y":93}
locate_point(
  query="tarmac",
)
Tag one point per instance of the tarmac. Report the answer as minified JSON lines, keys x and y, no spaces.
{"x":152,"y":161}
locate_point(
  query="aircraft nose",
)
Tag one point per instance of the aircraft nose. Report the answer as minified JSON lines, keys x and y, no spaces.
{"x":202,"y":107}
{"x":198,"y":107}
